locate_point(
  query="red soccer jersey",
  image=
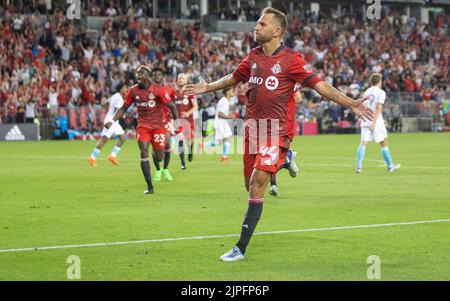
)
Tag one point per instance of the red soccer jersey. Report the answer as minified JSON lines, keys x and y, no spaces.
{"x":150,"y":103}
{"x":184,"y":103}
{"x":290,"y":123}
{"x":166,"y":110}
{"x":271,"y":84}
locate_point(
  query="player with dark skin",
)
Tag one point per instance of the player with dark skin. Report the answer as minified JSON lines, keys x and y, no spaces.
{"x":143,"y":77}
{"x":158,"y":78}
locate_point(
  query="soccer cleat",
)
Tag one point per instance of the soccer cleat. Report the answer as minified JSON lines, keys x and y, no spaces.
{"x":234,"y":255}
{"x":224,"y":159}
{"x":157,"y":176}
{"x":190,"y":157}
{"x":274,"y":190}
{"x":358,"y":170}
{"x":167,"y":175}
{"x":183,"y":167}
{"x":292,"y":167}
{"x":113,"y":160}
{"x":149,"y":190}
{"x":394,"y":167}
{"x":92,"y":162}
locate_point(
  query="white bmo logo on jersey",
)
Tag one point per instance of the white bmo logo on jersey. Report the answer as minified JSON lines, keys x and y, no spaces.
{"x":255,"y":80}
{"x":271,"y":83}
{"x":185,"y":100}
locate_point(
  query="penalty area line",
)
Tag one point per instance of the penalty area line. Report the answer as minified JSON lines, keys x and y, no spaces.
{"x":102,"y":244}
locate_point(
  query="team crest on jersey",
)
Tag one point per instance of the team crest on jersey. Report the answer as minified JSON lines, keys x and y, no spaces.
{"x":276,"y":68}
{"x":308,"y":68}
{"x":151,"y":96}
{"x":185,"y":100}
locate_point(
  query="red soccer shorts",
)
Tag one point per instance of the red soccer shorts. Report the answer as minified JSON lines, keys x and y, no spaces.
{"x":157,"y":137}
{"x":190,"y":131}
{"x":267,"y":158}
{"x":187,"y":130}
{"x":170,"y":128}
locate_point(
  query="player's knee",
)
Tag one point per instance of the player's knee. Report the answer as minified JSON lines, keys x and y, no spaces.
{"x":159,"y":156}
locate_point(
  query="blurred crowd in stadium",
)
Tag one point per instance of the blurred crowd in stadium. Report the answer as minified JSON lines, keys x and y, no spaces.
{"x":50,"y":67}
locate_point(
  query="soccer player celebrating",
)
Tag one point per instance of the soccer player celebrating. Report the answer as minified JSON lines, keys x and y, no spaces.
{"x":149,"y":100}
{"x":186,"y":106}
{"x":114,"y":103}
{"x":375,"y":130}
{"x":272,"y":71}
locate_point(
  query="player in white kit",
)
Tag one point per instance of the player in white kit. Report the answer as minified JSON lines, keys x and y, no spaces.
{"x":114,"y":103}
{"x":222,"y":129}
{"x":375,"y":130}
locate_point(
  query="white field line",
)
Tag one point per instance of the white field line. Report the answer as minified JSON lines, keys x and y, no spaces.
{"x":131,"y":242}
{"x":61,"y":157}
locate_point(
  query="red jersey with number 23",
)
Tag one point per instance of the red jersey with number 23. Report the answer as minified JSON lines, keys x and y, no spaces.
{"x":271,"y":84}
{"x":149,"y":103}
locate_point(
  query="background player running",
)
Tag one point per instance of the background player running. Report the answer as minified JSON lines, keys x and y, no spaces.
{"x":222,"y":130}
{"x":149,"y":100}
{"x":113,"y":103}
{"x":158,"y":80}
{"x":186,"y":106}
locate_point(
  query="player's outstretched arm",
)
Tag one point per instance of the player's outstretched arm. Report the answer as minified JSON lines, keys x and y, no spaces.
{"x":357,"y":106}
{"x":116,"y":116}
{"x":204,"y":87}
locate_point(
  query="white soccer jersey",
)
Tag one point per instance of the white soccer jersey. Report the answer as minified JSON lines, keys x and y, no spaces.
{"x":376,"y":95}
{"x":221,"y":125}
{"x":223,"y":106}
{"x":115,"y":103}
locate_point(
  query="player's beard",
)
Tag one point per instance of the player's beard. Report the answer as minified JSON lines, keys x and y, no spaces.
{"x":262,"y":39}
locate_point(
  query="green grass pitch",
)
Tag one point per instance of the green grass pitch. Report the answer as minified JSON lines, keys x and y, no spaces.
{"x":51,"y":197}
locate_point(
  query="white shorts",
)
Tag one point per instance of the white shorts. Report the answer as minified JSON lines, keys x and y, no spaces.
{"x":222,"y":130}
{"x":114,"y":130}
{"x":378,"y":134}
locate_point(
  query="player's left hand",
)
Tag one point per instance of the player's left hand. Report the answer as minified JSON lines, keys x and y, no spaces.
{"x":361,"y":110}
{"x":372,"y":126}
{"x":193,"y":89}
{"x":108,"y":125}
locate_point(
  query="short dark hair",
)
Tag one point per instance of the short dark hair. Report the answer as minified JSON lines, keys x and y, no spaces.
{"x":279,"y":16}
{"x":224,"y":91}
{"x":119,"y":87}
{"x":375,"y":78}
{"x":157,"y":69}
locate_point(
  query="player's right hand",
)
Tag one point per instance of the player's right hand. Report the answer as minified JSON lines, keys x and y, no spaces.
{"x":108,"y":125}
{"x":361,"y":110}
{"x":193,"y":89}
